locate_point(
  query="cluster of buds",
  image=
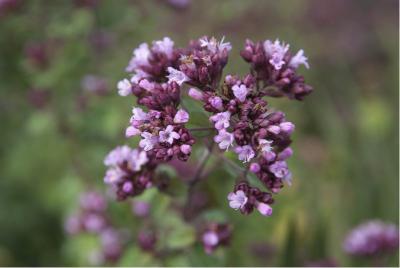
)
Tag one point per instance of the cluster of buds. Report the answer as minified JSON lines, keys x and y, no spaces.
{"x":92,"y":218}
{"x":215,"y":235}
{"x":246,"y":198}
{"x":372,"y":238}
{"x":274,"y":68}
{"x":244,"y":123}
{"x":162,"y":127}
{"x":130,"y":171}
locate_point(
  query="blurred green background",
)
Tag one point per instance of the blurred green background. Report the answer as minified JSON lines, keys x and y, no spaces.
{"x":55,"y":134}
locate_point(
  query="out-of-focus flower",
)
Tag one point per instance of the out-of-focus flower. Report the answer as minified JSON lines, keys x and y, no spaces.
{"x":147,"y":240}
{"x":39,"y":98}
{"x":95,"y":84}
{"x":124,"y":87}
{"x":245,"y":198}
{"x":140,"y":208}
{"x":215,"y":235}
{"x":372,"y":238}
{"x":129,"y":172}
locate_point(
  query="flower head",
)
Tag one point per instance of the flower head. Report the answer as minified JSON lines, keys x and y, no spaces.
{"x":372,"y":238}
{"x":213,"y":45}
{"x":279,"y":169}
{"x":221,"y":120}
{"x":240,"y":92}
{"x":176,"y":76}
{"x":168,"y":135}
{"x":224,"y":139}
{"x":148,"y":141}
{"x":181,"y":116}
{"x":124,"y":87}
{"x":276,"y":53}
{"x":237,"y":199}
{"x":165,"y":46}
{"x":299,"y":59}
{"x":140,"y":57}
{"x":245,"y":153}
{"x":265,"y":145}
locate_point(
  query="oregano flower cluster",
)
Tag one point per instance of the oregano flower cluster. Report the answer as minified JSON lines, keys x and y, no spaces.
{"x":239,"y":115}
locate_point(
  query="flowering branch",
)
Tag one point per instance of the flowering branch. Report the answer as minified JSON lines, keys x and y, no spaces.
{"x":238,"y":110}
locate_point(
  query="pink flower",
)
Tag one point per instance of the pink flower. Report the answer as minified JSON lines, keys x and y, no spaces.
{"x":181,"y":116}
{"x":117,"y":156}
{"x":245,"y":153}
{"x":165,"y":46}
{"x":113,"y":175}
{"x":124,"y":87}
{"x":224,"y":139}
{"x":237,"y":200}
{"x":276,"y":52}
{"x":176,"y":76}
{"x":148,"y":141}
{"x":221,"y":120}
{"x":213,"y":45}
{"x":240,"y":92}
{"x":299,"y":59}
{"x":138,"y":116}
{"x":168,"y":135}
{"x":137,"y":159}
{"x":280,"y":170}
{"x":265,"y":145}
{"x":140,"y":57}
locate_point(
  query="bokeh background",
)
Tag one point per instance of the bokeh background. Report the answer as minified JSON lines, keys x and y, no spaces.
{"x":56,"y":129}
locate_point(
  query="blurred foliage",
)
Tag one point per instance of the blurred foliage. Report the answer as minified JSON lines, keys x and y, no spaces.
{"x":346,"y":142}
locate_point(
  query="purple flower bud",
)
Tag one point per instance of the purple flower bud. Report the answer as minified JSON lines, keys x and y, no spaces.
{"x":274,"y":129}
{"x":210,"y":239}
{"x":285,"y":154}
{"x":287,"y":127}
{"x":131,"y":131}
{"x":216,"y":102}
{"x":264,"y":209}
{"x":127,"y":187}
{"x":195,"y":94}
{"x":94,"y":223}
{"x":147,"y":240}
{"x":255,"y":167}
{"x":269,"y":156}
{"x":186,"y":149}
